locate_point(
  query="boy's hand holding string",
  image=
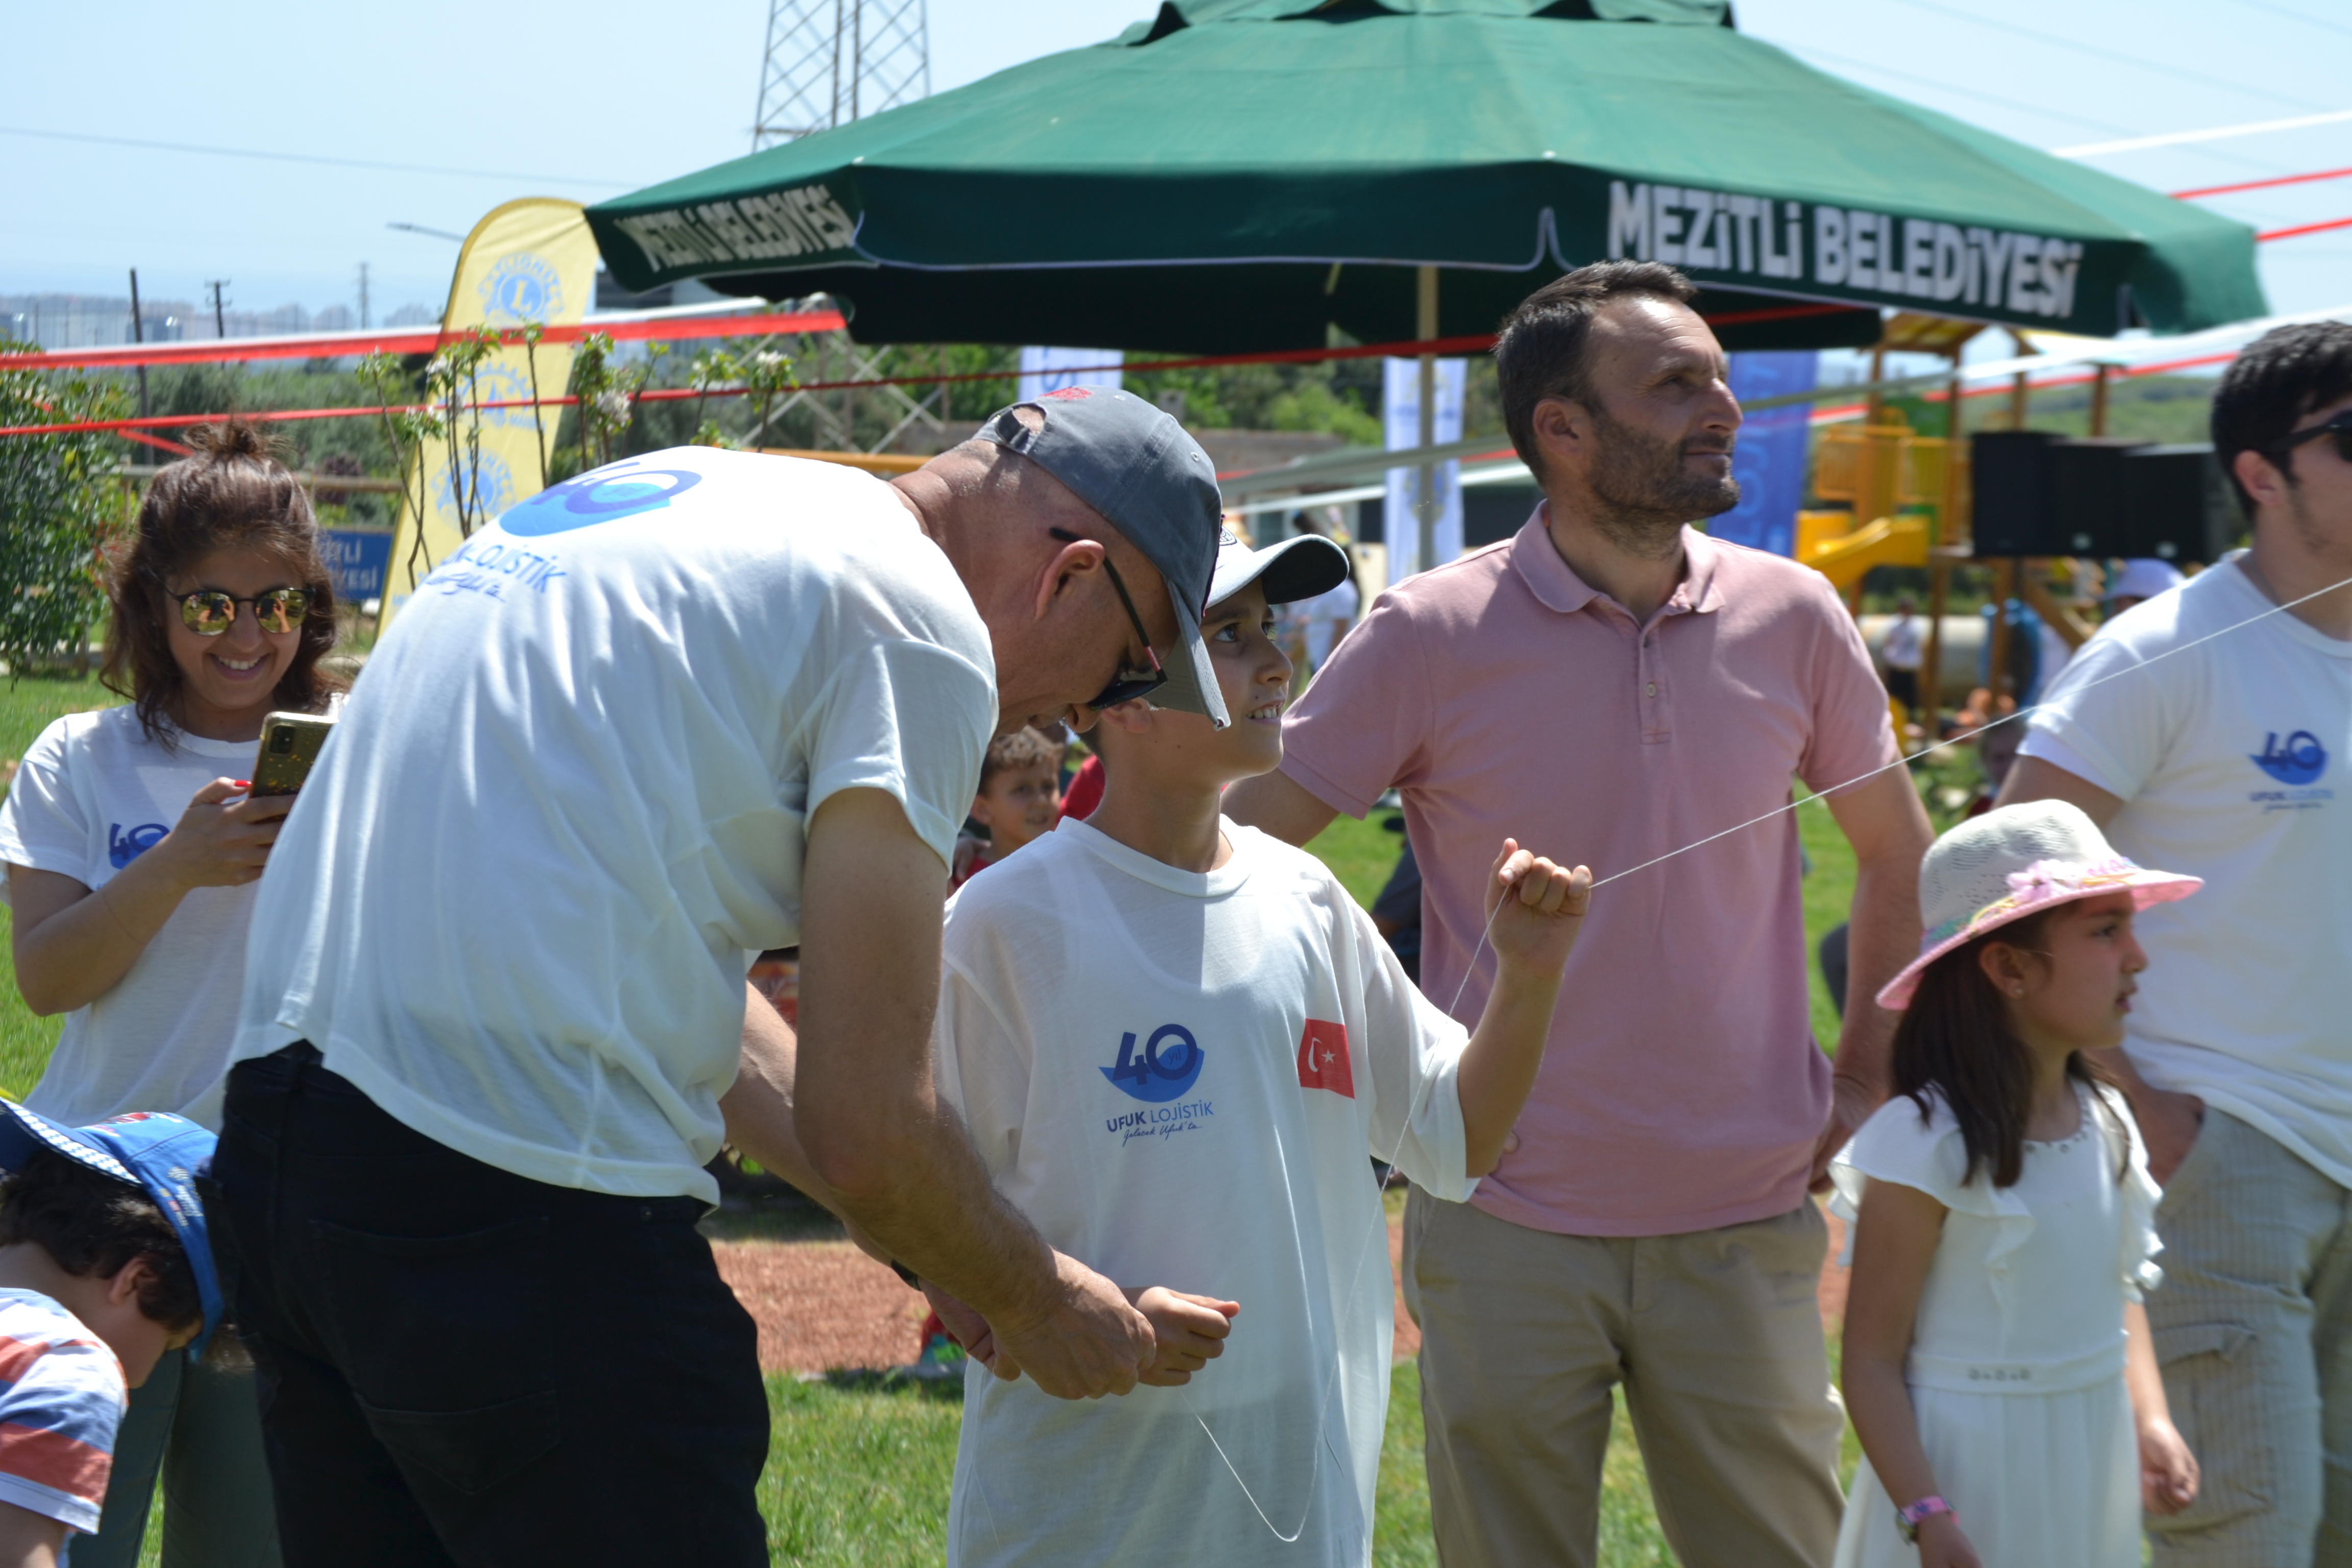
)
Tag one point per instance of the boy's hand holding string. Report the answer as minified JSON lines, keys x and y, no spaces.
{"x":1534,"y":909}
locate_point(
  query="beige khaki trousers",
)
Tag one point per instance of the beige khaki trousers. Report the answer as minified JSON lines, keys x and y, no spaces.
{"x":2254,"y":1327}
{"x":1715,"y":1336}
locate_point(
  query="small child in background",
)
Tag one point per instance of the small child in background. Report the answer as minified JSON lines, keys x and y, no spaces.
{"x":104,"y":1267}
{"x":1998,"y":1363}
{"x":1174,"y":1040}
{"x":1020,"y":800}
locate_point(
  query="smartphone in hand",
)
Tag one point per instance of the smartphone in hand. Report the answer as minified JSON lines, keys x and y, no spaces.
{"x":289,"y":748}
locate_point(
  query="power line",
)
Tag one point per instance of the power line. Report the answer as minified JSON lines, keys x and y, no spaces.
{"x":2298,"y":17}
{"x":1876,"y":70}
{"x":1872,"y":68}
{"x":420,"y":229}
{"x":306,"y":158}
{"x":2056,"y":41}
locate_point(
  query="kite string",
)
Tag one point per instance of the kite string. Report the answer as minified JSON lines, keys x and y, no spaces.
{"x":1379,"y":1228}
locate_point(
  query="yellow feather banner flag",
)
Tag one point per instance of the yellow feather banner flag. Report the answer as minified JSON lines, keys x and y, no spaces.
{"x":529,"y":261}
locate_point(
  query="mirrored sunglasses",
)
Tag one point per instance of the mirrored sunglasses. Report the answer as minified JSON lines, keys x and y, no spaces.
{"x":209,"y":611}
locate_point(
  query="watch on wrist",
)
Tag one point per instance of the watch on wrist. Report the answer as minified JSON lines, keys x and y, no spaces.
{"x":1908,"y":1519}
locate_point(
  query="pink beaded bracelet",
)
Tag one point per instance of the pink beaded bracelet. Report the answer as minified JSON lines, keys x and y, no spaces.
{"x":1908,"y":1520}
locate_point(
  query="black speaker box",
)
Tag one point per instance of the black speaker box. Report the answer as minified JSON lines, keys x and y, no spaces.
{"x":2008,"y":476}
{"x":2041,"y":494}
{"x":2176,"y":504}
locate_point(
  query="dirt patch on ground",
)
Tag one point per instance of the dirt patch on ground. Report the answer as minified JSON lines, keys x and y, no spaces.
{"x":824,"y":1304}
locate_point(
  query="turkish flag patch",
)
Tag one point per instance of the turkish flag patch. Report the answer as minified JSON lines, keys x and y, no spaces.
{"x":1323,"y":1058}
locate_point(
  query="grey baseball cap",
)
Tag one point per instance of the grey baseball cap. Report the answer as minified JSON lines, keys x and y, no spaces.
{"x":1151,"y":480}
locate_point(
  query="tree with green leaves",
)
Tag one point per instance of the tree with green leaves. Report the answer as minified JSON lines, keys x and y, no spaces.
{"x":59,"y":499}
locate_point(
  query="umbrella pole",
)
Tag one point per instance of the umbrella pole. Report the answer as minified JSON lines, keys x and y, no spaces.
{"x":1424,"y":494}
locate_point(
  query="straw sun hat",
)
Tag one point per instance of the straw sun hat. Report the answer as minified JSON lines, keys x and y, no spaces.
{"x":2015,"y":862}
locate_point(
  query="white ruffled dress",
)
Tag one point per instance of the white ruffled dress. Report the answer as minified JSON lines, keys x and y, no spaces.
{"x":2016,"y":1368}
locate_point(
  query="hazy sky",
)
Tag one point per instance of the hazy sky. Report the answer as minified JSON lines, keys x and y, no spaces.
{"x":595,"y":98}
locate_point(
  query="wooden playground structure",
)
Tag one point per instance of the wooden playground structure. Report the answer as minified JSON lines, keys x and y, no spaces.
{"x":1905,"y":501}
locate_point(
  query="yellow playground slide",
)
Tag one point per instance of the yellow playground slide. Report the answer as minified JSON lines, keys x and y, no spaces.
{"x":1843,"y":558}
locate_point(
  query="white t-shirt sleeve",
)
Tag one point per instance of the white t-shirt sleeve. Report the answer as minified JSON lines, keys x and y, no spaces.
{"x":43,"y":822}
{"x":1414,"y":1052}
{"x":2110,"y":723}
{"x":982,"y":1067}
{"x":906,"y":717}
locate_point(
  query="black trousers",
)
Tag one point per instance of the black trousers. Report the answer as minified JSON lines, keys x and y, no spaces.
{"x":462,"y":1367}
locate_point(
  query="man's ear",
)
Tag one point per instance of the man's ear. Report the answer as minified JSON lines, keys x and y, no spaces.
{"x":1563,"y":429}
{"x":1069,"y":572}
{"x":2265,"y":478}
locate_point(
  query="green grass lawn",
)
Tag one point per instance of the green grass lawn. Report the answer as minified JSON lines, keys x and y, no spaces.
{"x":861,"y":1476}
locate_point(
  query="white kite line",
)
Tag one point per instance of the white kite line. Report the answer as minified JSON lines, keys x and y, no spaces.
{"x":1379,"y":1226}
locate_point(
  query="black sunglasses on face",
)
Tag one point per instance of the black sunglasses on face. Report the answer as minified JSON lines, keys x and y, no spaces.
{"x":1127,"y":683}
{"x":2339,"y":427}
{"x":209,"y":611}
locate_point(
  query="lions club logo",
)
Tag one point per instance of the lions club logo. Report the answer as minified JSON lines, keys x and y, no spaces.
{"x":520,"y":287}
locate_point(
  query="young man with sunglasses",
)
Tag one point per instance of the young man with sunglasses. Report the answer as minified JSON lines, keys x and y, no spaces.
{"x":659,"y":718}
{"x":2228,"y":761}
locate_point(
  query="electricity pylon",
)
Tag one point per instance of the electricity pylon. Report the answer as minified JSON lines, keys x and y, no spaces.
{"x":830,"y":61}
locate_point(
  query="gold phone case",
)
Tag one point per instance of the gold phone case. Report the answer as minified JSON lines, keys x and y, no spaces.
{"x":290,"y":745}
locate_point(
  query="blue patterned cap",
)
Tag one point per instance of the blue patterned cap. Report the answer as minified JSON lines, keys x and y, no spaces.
{"x":158,"y":1153}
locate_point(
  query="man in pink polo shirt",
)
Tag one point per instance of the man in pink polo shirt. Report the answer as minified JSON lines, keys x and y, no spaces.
{"x":1612,"y":684}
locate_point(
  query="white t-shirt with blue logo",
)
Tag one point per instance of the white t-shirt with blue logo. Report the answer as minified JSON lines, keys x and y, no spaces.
{"x":1179,"y":1078}
{"x":93,"y":795}
{"x":566,"y":805}
{"x":2231,"y":759}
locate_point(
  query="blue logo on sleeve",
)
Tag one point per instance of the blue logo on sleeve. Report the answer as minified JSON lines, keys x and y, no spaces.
{"x":602,"y":495}
{"x":121,"y":849}
{"x":1168,"y":1068}
{"x":2299,"y":761}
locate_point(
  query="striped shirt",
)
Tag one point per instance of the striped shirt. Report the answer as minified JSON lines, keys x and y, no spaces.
{"x":61,"y":1396}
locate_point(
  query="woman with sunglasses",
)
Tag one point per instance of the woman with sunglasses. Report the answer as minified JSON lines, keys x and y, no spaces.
{"x":132,"y":853}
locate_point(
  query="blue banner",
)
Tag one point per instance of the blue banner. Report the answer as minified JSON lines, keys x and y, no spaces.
{"x":1769,"y":461}
{"x":356,"y":558}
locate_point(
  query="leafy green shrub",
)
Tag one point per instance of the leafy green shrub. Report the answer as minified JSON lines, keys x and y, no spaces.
{"x":59,"y":497}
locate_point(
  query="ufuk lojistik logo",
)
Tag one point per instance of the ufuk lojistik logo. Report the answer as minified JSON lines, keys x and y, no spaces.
{"x":2299,"y":759}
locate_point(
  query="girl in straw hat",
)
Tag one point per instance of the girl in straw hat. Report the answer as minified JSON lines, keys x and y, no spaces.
{"x":1998,"y":1363}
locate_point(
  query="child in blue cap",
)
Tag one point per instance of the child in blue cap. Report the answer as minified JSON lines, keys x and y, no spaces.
{"x":104,"y":1267}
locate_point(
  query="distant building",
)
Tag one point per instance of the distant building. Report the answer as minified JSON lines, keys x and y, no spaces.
{"x":334,"y":319}
{"x":98,"y":321}
{"x":86,"y":321}
{"x":413,"y":316}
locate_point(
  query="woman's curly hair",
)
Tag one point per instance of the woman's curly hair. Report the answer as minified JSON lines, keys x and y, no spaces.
{"x":233,"y":493}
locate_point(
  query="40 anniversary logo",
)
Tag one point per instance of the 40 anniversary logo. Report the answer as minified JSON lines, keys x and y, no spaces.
{"x":1161,"y":1073}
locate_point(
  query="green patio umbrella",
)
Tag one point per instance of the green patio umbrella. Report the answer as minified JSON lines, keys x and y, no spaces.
{"x":1238,"y":175}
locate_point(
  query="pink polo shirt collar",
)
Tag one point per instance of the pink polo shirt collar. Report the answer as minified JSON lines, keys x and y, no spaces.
{"x":1557,"y":587}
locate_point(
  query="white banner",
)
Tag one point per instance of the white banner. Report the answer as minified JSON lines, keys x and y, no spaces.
{"x":1400,"y":513}
{"x":1050,"y":370}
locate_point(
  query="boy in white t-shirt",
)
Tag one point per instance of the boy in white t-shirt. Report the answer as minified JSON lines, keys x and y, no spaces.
{"x":1174,"y":1040}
